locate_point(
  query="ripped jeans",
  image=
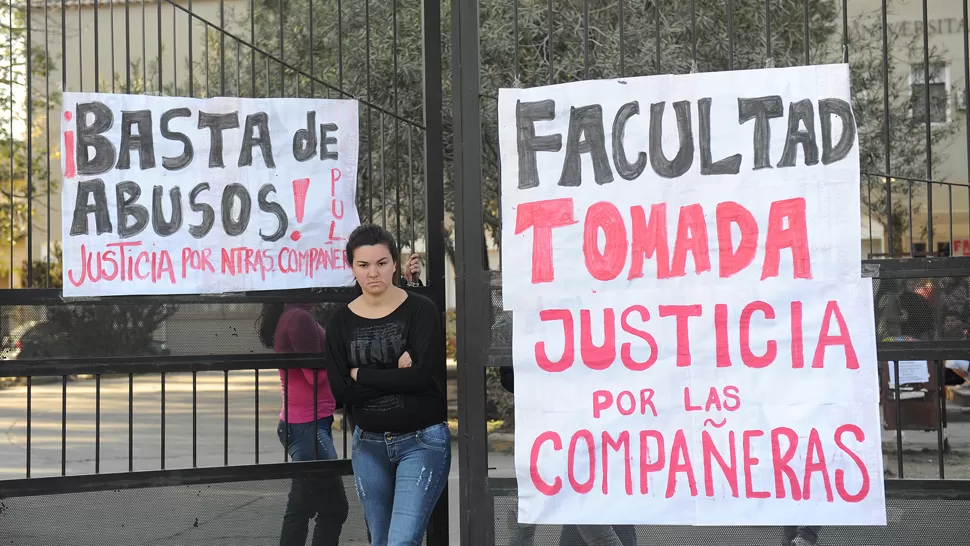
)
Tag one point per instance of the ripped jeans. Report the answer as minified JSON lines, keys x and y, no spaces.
{"x":399,"y":478}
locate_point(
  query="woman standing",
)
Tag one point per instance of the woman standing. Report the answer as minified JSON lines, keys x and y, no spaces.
{"x":384,"y":357}
{"x":305,"y":425}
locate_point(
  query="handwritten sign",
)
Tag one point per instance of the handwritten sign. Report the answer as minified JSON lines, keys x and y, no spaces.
{"x":693,"y":341}
{"x":169,"y":195}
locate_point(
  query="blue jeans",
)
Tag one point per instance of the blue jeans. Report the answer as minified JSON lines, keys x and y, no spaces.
{"x":309,"y":497}
{"x":399,"y":478}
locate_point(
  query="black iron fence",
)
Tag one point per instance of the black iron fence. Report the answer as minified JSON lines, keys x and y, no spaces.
{"x":166,"y":408}
{"x":907,"y":61}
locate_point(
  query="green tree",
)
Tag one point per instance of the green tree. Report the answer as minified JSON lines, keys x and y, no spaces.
{"x":391,"y":169}
{"x":24,"y":153}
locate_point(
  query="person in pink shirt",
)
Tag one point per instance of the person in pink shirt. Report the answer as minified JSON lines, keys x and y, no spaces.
{"x":305,"y":428}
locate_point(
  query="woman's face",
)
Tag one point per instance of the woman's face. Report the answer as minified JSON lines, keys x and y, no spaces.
{"x":374,"y":268}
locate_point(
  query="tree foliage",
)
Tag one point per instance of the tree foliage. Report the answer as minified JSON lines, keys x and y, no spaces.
{"x":373,"y":51}
{"x":24,"y":153}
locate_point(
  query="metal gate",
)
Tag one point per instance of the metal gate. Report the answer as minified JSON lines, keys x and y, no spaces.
{"x":152,"y":420}
{"x":908,"y":61}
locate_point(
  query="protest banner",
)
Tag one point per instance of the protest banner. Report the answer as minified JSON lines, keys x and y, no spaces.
{"x":173,"y":195}
{"x":692,"y":338}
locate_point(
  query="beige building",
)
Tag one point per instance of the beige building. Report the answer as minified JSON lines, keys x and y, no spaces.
{"x":948,"y":99}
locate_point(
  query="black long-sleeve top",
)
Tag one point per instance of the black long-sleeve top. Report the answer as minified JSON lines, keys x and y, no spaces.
{"x":386,"y":398}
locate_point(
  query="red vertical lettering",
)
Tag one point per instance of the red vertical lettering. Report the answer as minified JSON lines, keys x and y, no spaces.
{"x":730,"y":470}
{"x":680,"y":463}
{"x":622,"y":442}
{"x":646,"y":467}
{"x":626,"y":350}
{"x":597,"y":357}
{"x":797,"y":349}
{"x":722,"y":348}
{"x":606,"y":265}
{"x":683,"y":313}
{"x":815,"y":462}
{"x":334,"y":177}
{"x":731,"y":261}
{"x":842,"y":338}
{"x":568,"y":354}
{"x":692,"y":237}
{"x":542,"y":216}
{"x":750,"y":359}
{"x":749,"y":461}
{"x":541,"y":485}
{"x":587,"y":486}
{"x":795,"y":237}
{"x":69,"y":167}
{"x":648,"y":239}
{"x":840,"y":474}
{"x":782,"y":462}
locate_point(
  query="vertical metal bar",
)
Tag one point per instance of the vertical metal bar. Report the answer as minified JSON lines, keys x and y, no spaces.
{"x":256,"y":415}
{"x":222,"y":47}
{"x":693,"y":31}
{"x":128,"y":43}
{"x":434,"y":206}
{"x":162,"y":453}
{"x":411,"y":187}
{"x":286,"y":414}
{"x":949,"y":200}
{"x":158,"y":13}
{"x":845,"y":31}
{"x":252,"y":47}
{"x":940,"y":370}
{"x":30,"y":425}
{"x":205,"y":56}
{"x":370,"y":136}
{"x":144,"y":49}
{"x":175,"y":57}
{"x":340,"y":45}
{"x":10,"y":79}
{"x":80,"y":51}
{"x":477,"y":527}
{"x":515,"y":38}
{"x":656,"y":34}
{"x":549,"y":43}
{"x":63,"y":425}
{"x":397,"y":139}
{"x":887,"y":146}
{"x":910,"y":196}
{"x":313,"y":83}
{"x":225,"y":419}
{"x":586,"y":39}
{"x":30,"y":151}
{"x":899,"y":422}
{"x":929,"y":132}
{"x":131,"y":422}
{"x":316,"y":416}
{"x":97,"y":424}
{"x":805,"y":30}
{"x":282,"y":55}
{"x":869,"y":199}
{"x":730,"y":31}
{"x":622,"y":37}
{"x":966,"y":81}
{"x":383,"y":174}
{"x":195,"y":415}
{"x":190,"y":23}
{"x":768,"y":29}
{"x":47,"y":126}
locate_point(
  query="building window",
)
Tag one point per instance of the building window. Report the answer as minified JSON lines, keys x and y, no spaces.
{"x":939,"y":93}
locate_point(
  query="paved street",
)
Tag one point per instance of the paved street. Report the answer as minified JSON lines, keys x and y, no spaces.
{"x":249,"y":513}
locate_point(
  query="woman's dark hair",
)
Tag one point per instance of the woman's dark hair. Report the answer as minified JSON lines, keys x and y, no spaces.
{"x":266,"y":323}
{"x":371,"y":235}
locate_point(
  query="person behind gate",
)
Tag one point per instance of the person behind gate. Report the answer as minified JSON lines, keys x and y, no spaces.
{"x":305,"y":425}
{"x":384,"y":363}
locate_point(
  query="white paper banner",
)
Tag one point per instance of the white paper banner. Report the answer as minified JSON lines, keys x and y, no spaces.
{"x":693,"y":341}
{"x":170,"y":195}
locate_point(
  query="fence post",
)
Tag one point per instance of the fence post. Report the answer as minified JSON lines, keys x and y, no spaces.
{"x":471,"y":289}
{"x":438,"y":533}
